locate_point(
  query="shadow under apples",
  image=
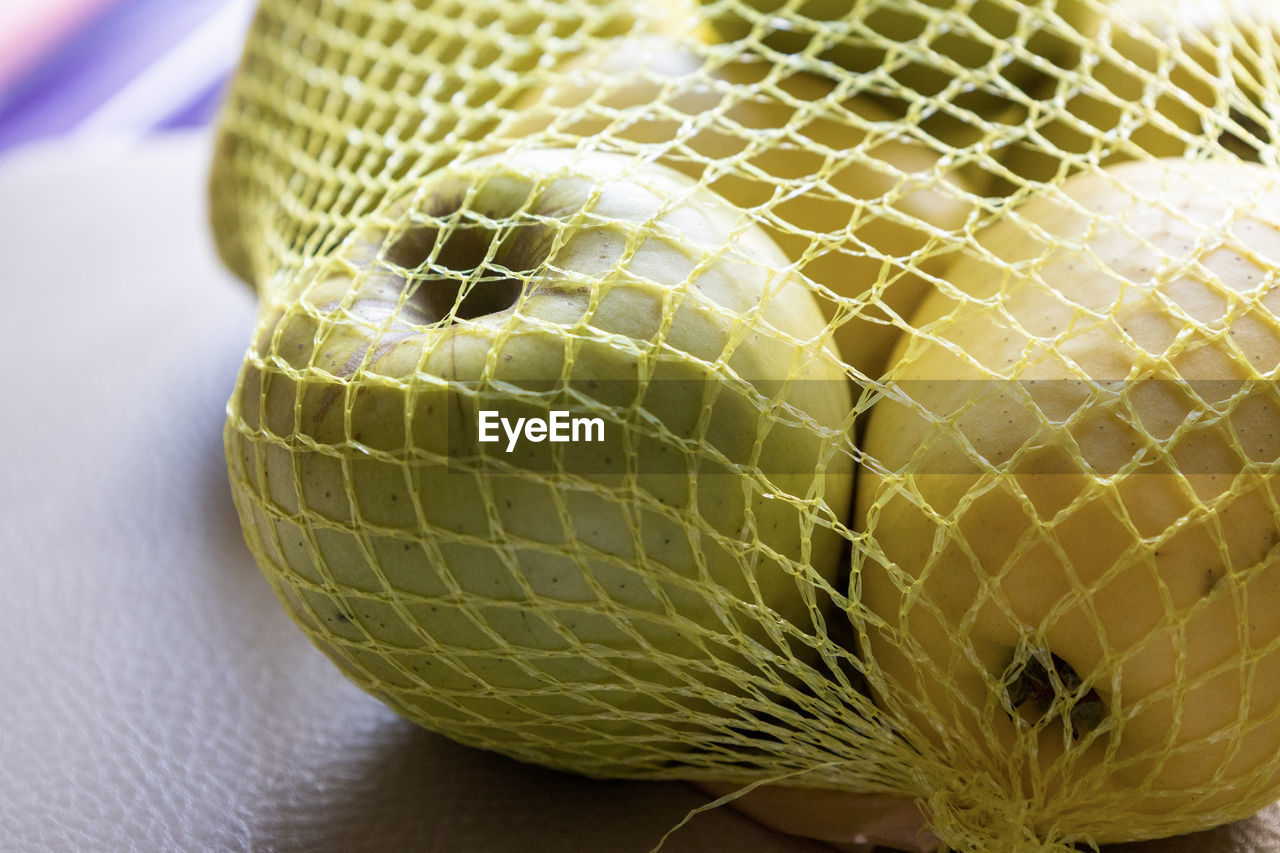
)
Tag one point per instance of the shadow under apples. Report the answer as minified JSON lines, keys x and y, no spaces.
{"x":394,"y":786}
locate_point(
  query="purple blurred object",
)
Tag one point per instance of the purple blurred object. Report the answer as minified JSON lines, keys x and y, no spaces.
{"x":122,"y":68}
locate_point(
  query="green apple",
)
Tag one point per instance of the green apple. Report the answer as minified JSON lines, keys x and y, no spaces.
{"x":608,"y":606}
{"x":1070,"y":504}
{"x":334,"y":102}
{"x":850,"y":203}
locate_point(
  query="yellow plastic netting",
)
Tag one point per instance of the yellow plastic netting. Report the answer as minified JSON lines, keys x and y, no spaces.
{"x":916,"y":359}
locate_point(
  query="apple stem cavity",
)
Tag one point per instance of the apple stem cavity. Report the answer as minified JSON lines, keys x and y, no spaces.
{"x":462,"y":271}
{"x":1036,"y":689}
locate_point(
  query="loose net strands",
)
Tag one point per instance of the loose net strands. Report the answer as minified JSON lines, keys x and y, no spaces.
{"x":933,"y":349}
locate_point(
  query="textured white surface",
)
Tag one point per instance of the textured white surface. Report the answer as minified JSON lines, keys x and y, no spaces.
{"x":153,"y":695}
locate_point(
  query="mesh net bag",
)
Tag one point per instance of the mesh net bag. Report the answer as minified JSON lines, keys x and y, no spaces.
{"x":872,"y":397}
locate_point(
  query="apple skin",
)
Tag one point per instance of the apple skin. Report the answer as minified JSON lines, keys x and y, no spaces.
{"x":848,"y":822}
{"x":849,"y":203}
{"x":854,"y":35}
{"x":1073,"y":506}
{"x":611,"y":609}
{"x":392,"y":94}
{"x":1155,"y":89}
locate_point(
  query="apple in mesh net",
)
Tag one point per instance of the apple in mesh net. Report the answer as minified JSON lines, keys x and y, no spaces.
{"x":617,"y":607}
{"x":850,"y":199}
{"x":974,"y":52}
{"x":1166,"y":78}
{"x":1071,"y":500}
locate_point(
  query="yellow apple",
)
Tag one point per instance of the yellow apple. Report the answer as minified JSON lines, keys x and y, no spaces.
{"x":1070,"y":508}
{"x":864,"y":211}
{"x":972,"y":52}
{"x":1164,"y":78}
{"x":611,"y":605}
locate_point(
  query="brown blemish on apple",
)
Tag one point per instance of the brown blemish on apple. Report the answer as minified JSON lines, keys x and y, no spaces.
{"x":1036,"y":692}
{"x":1212,"y":577}
{"x":352,"y":364}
